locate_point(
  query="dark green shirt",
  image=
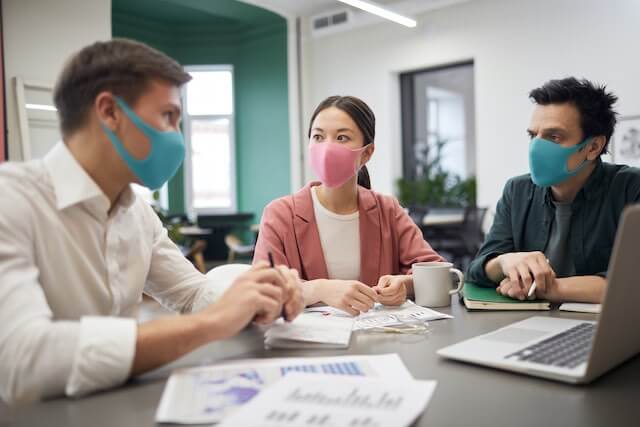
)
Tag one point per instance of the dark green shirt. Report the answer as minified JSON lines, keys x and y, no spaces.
{"x":558,"y":251}
{"x":525,"y":214}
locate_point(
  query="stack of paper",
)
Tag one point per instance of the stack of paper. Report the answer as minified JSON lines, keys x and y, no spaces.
{"x":581,"y":307}
{"x":310,"y":330}
{"x":208,"y":394}
{"x":305,"y":400}
{"x":383,"y":315}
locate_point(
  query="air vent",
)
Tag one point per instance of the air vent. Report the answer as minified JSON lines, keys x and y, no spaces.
{"x":322,"y":22}
{"x":339,"y":18}
{"x":326,"y":22}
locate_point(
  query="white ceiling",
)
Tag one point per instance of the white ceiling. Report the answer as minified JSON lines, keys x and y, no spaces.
{"x":308,"y":7}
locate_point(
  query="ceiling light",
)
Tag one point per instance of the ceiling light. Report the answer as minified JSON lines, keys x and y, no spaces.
{"x":381,"y":12}
{"x":41,"y":107}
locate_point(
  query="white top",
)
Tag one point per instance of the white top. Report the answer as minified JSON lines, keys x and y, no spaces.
{"x":72,"y":275}
{"x":340,"y":240}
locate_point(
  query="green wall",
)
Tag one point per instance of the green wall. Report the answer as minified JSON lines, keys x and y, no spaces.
{"x":258,"y":53}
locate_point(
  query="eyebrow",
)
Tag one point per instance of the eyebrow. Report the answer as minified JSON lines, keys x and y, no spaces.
{"x":339,"y":130}
{"x":547,"y":130}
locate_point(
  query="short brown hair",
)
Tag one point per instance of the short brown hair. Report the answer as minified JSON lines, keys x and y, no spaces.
{"x":124,"y":67}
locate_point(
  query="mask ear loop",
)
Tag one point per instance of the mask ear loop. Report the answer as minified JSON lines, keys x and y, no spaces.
{"x":584,"y":163}
{"x":359,"y":168}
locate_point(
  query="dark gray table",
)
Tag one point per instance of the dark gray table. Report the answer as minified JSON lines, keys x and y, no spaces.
{"x":466,"y":395}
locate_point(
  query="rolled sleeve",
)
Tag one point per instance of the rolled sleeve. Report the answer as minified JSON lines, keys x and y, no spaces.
{"x":499,"y":240}
{"x":208,"y":295}
{"x":104,"y":354}
{"x":218,"y":281}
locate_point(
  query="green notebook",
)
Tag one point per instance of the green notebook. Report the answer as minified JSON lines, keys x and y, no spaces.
{"x":480,"y":298}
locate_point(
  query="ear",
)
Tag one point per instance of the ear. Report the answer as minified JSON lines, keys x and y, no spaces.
{"x":367,"y":153}
{"x":106,"y":111}
{"x":595,"y":147}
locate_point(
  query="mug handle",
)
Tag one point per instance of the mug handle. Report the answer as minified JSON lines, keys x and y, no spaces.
{"x":460,"y":281}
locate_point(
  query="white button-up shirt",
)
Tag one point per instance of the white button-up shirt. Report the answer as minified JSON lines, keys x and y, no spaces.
{"x":71,"y":277}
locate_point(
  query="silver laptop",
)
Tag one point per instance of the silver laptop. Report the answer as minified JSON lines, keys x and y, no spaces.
{"x":574,"y":351}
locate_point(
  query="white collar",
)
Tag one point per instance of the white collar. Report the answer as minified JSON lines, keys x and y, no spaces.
{"x":73,"y":185}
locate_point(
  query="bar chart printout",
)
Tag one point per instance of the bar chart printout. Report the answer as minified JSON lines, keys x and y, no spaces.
{"x":306,"y":400}
{"x":209,"y":394}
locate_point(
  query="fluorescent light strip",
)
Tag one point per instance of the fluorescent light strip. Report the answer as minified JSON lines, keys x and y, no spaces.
{"x":41,"y":107}
{"x":381,"y":12}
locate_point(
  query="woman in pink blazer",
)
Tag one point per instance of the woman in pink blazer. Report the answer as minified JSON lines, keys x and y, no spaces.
{"x":352,"y":246}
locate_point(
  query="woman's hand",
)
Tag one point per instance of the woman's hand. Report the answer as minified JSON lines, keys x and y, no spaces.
{"x":348,"y":295}
{"x":392,"y":290}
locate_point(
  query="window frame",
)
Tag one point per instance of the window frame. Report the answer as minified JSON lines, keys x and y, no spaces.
{"x":188,"y":165}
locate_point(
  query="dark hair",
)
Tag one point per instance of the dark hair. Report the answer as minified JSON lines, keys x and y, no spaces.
{"x":593,"y":102}
{"x":360,"y":113}
{"x":121,"y":66}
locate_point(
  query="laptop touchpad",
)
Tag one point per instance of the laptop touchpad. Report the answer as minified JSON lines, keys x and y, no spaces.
{"x":515,"y":335}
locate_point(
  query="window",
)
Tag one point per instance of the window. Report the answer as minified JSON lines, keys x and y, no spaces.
{"x":438,"y":121}
{"x":210,"y":175}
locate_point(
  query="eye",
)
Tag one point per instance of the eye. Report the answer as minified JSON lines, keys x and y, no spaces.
{"x":316,"y":137}
{"x":168,"y":115}
{"x":343,"y":138}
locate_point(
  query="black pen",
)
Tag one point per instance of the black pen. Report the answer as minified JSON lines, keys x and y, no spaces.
{"x":271,"y":263}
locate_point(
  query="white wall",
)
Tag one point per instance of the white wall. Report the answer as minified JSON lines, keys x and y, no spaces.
{"x":516,"y":45}
{"x":39,"y":35}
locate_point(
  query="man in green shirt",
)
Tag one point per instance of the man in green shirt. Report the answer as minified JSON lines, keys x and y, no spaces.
{"x":556,"y":226}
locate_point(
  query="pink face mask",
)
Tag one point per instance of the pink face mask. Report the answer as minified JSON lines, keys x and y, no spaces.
{"x":333,"y":163}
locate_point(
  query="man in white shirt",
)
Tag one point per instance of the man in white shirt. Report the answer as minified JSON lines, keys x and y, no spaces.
{"x":78,"y":249}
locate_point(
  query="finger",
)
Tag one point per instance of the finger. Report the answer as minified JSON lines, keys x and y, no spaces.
{"x":270,"y":291}
{"x":398,"y":301}
{"x":290,"y":279}
{"x":515,"y":293}
{"x":361,"y":307}
{"x":513,"y":276}
{"x":260,"y":265}
{"x":355,"y":294}
{"x":525,"y":275}
{"x":383,"y":282}
{"x":514,"y":289}
{"x":384,"y":300}
{"x":346,"y":307}
{"x":269,"y":309}
{"x":539,"y":276}
{"x":393,"y":289}
{"x":504,"y":287}
{"x":268,"y":275}
{"x":502,"y":282}
{"x":503,"y":290}
{"x":366,"y":290}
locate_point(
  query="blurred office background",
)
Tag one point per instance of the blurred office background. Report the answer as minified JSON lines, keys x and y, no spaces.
{"x":449,"y":94}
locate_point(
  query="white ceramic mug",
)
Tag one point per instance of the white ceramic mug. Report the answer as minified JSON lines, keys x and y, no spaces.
{"x":432,"y":283}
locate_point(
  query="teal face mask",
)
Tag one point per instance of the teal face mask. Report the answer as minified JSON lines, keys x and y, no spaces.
{"x":548,"y":161}
{"x":165,"y":156}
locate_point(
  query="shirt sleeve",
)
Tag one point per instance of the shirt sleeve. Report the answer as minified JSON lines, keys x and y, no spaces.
{"x":499,"y":240}
{"x":173,"y":280}
{"x":41,"y":356}
{"x":412,"y":246}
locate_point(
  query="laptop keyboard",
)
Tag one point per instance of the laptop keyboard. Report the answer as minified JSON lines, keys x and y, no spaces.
{"x":567,"y":349}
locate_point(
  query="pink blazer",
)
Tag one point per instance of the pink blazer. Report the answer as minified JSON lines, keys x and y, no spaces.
{"x":390,"y":242}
